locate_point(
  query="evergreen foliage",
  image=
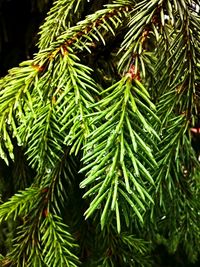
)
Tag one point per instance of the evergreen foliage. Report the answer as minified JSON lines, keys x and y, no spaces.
{"x":101,"y":131}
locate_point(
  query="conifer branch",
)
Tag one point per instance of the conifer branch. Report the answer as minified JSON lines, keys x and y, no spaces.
{"x":139,"y":148}
{"x":87,"y":32}
{"x":59,"y":19}
{"x":19,"y":204}
{"x":61,"y":101}
{"x":138,"y":248}
{"x":180,"y":61}
{"x":52,"y":181}
{"x":33,"y":206}
{"x":117,"y":152}
{"x":57,"y":243}
{"x":15,"y":95}
{"x":178,"y":107}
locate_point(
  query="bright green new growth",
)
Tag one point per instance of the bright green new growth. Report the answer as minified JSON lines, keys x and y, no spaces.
{"x":115,"y":163}
{"x":103,"y":114}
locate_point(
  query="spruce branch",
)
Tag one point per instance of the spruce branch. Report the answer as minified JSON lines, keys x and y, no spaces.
{"x":178,"y":107}
{"x":87,"y":33}
{"x":180,"y":61}
{"x":181,"y":221}
{"x":153,"y":21}
{"x":47,"y":63}
{"x":141,"y":26}
{"x":78,"y":92}
{"x":34,"y":243}
{"x":15,"y":93}
{"x":177,"y":183}
{"x":57,"y":243}
{"x":19,"y":204}
{"x":27,"y":250}
{"x":134,"y":179}
{"x":117,"y":151}
{"x":33,"y":206}
{"x":62,"y":96}
{"x":24,"y":205}
{"x":57,"y":183}
{"x":62,"y":16}
{"x":109,"y":256}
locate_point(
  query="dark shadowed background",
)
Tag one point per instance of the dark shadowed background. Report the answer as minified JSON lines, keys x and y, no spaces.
{"x":19,"y":24}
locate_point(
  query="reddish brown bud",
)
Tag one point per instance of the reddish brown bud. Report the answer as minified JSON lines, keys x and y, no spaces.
{"x":45,"y":212}
{"x":45,"y":190}
{"x":133,"y":73}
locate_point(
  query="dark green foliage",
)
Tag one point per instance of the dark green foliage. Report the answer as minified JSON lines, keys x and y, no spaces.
{"x":100,"y":132}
